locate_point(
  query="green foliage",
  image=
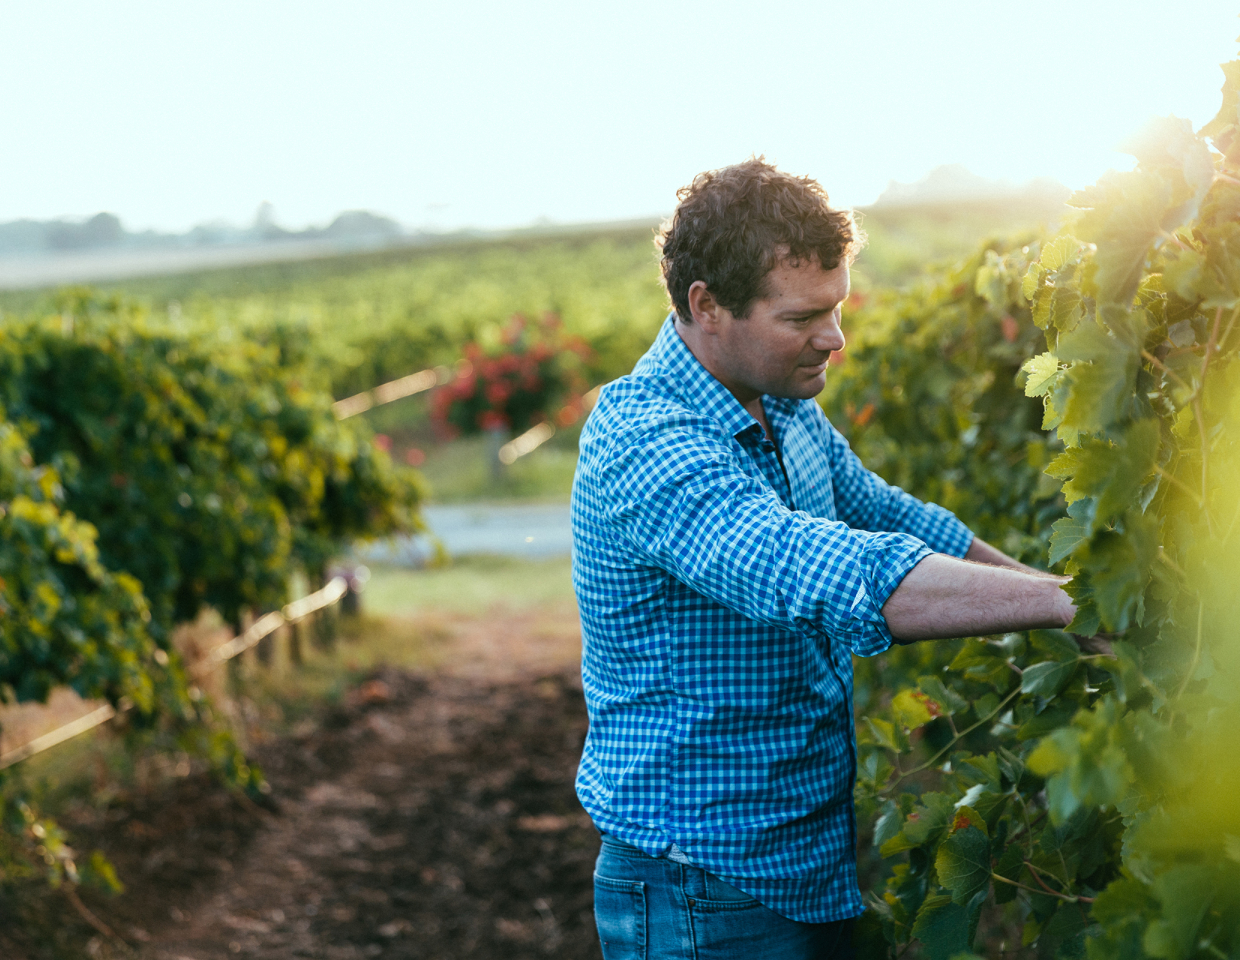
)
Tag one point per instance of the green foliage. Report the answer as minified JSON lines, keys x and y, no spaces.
{"x":143,"y":474}
{"x":64,"y":618}
{"x":1090,"y":797}
{"x":362,"y":319}
{"x":207,"y":465}
{"x":928,"y":396}
{"x":369,"y":318}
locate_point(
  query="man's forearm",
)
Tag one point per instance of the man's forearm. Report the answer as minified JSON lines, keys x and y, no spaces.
{"x":982,"y":552}
{"x":945,"y":597}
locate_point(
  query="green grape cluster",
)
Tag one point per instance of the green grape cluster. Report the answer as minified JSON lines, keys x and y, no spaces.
{"x":1046,"y":791}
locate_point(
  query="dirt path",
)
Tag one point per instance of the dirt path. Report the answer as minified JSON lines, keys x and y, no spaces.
{"x":432,"y":815}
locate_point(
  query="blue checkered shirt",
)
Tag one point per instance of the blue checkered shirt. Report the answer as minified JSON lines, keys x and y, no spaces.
{"x":722,"y":597}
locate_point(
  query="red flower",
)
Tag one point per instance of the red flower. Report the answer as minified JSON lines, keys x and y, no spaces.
{"x":523,"y":383}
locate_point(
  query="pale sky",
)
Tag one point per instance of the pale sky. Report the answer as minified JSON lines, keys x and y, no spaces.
{"x":491,"y":115}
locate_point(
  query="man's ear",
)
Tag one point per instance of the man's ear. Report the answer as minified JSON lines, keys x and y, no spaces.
{"x":706,"y":311}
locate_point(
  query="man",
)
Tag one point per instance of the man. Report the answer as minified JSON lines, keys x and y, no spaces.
{"x":731,"y":555}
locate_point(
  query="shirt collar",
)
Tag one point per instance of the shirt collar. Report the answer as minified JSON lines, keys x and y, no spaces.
{"x":696,"y":385}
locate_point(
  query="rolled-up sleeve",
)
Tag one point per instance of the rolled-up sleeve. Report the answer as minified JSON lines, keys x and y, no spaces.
{"x":867,"y":502}
{"x":677,"y":498}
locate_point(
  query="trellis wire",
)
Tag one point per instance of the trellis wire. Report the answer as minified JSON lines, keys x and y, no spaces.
{"x":260,"y":629}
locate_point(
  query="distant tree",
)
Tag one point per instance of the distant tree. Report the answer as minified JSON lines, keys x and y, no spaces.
{"x":101,"y":230}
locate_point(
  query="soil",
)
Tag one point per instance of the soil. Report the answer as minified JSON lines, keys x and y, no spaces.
{"x":429,"y":815}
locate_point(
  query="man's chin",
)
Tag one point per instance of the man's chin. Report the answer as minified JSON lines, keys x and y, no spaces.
{"x":803,"y":388}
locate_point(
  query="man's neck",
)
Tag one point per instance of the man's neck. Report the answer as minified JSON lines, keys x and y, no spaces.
{"x":752,"y":402}
{"x":758,"y":412}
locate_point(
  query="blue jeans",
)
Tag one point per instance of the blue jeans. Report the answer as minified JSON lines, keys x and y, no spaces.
{"x":650,"y":908}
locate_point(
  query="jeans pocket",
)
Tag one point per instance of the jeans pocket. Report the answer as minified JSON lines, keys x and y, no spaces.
{"x":620,"y":912}
{"x":720,"y":891}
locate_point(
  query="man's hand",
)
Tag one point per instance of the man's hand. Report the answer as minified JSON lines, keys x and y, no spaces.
{"x":1099,"y":644}
{"x":943,"y":597}
{"x":982,"y":552}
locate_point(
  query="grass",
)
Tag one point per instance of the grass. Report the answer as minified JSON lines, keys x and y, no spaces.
{"x":461,"y":472}
{"x":399,"y":627}
{"x":470,"y":585}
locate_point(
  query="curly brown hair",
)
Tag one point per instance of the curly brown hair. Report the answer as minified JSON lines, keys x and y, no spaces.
{"x":734,"y":225}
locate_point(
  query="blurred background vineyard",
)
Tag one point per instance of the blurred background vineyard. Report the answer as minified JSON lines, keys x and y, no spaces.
{"x":359,"y":320}
{"x":188,"y":417}
{"x":289,"y":654}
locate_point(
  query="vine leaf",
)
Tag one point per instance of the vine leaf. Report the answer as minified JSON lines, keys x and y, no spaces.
{"x":944,"y":928}
{"x":948,"y":700}
{"x":1043,"y":372}
{"x":884,"y":733}
{"x":888,"y":823}
{"x":1126,"y":215}
{"x":1064,"y":311}
{"x":1111,"y":473}
{"x":1009,"y":865}
{"x":1046,"y":679}
{"x":913,"y":710}
{"x":1223,"y":128}
{"x":963,"y":859}
{"x":1060,"y":251}
{"x":1169,"y":146}
{"x":1185,"y":273}
{"x":1119,"y":568}
{"x":1186,"y":893}
{"x":1086,"y":623}
{"x":1102,"y":379}
{"x":1067,"y":534}
{"x":1052,"y":718}
{"x":931,"y":817}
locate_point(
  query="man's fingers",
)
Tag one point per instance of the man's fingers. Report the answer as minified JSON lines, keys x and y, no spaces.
{"x":1099,"y":643}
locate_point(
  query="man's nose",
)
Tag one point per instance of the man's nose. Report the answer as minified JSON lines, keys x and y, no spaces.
{"x":829,"y":336}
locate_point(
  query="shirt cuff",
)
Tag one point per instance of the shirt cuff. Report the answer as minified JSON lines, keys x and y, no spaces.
{"x":884,"y":568}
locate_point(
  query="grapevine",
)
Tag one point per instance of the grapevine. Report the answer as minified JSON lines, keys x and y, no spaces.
{"x":1026,"y":791}
{"x":146,"y":473}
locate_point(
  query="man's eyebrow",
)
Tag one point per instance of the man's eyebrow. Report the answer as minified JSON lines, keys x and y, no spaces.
{"x":805,"y":311}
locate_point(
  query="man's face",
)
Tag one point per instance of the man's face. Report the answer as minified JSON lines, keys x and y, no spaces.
{"x":781,"y":348}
